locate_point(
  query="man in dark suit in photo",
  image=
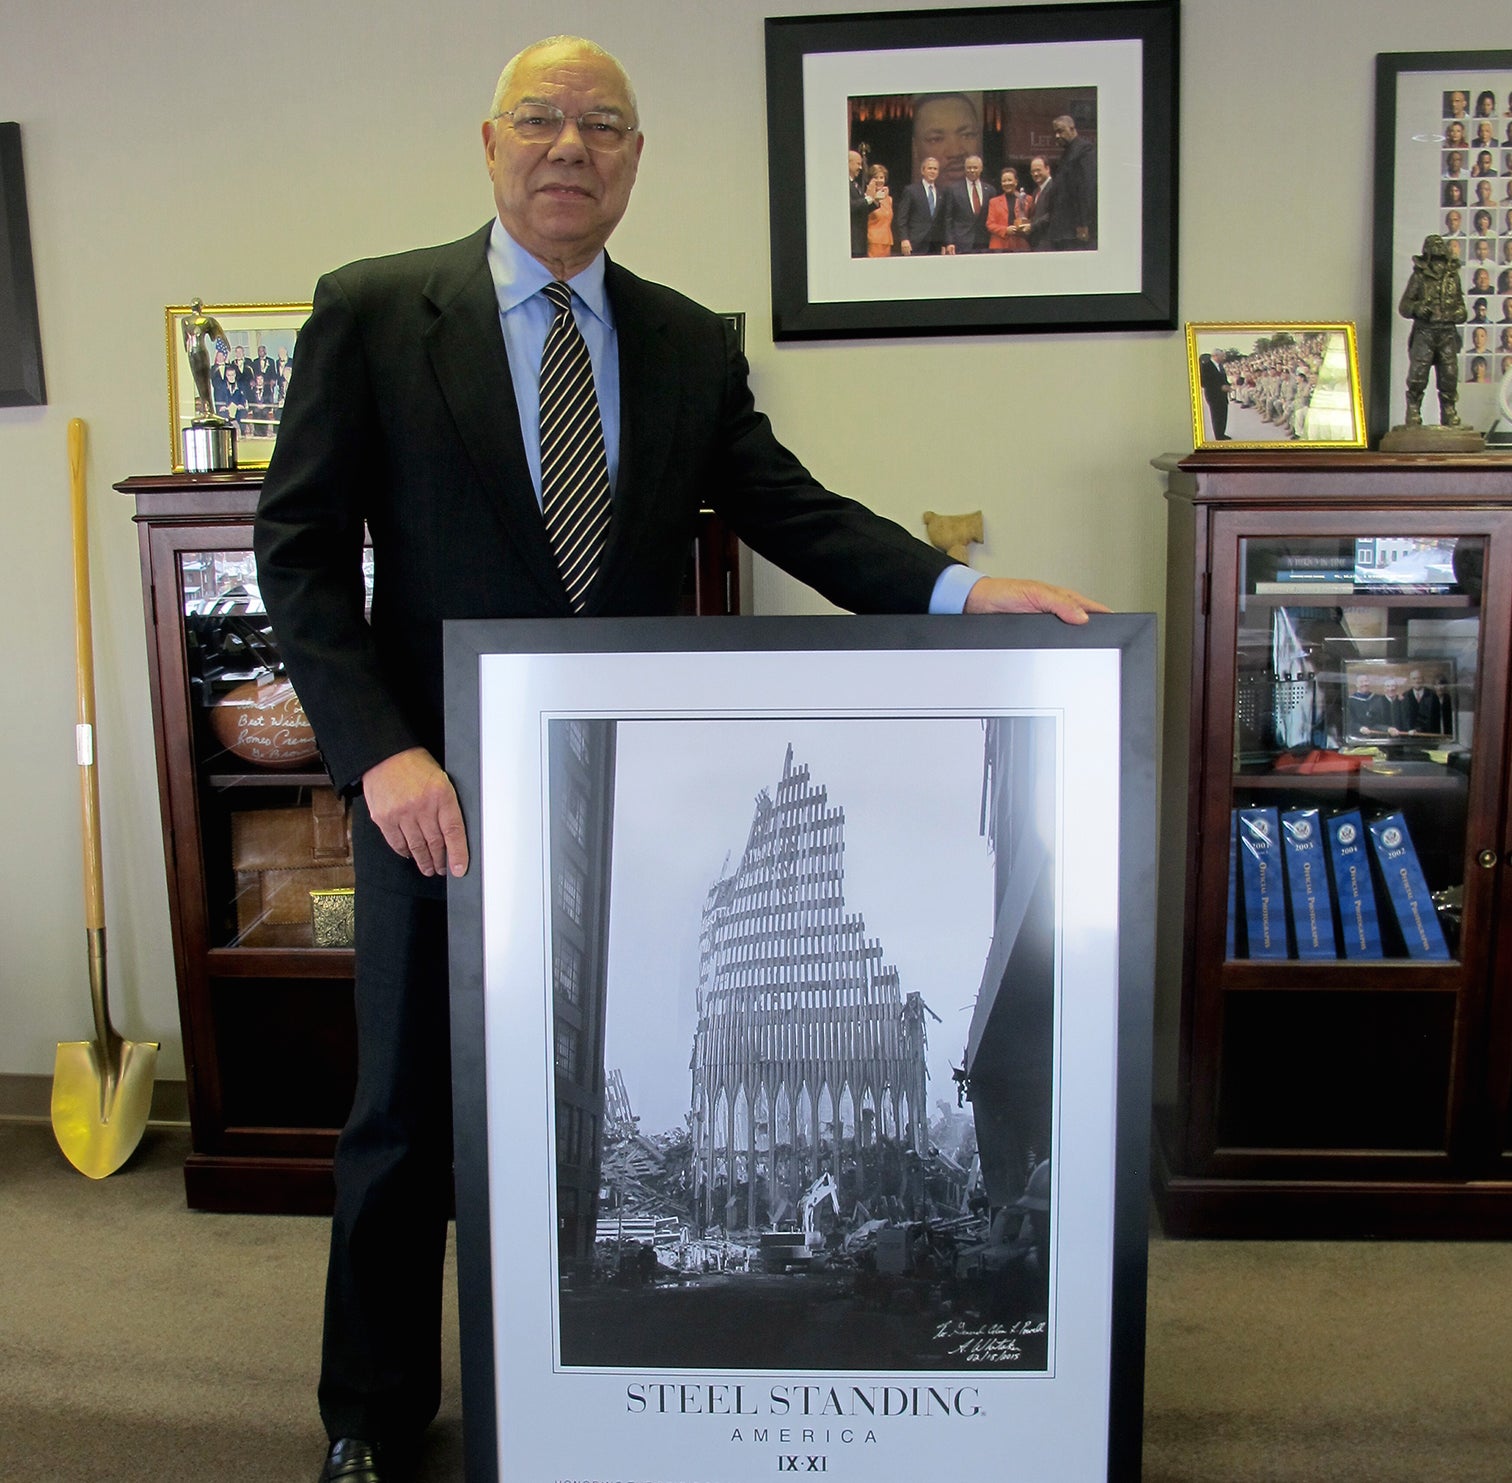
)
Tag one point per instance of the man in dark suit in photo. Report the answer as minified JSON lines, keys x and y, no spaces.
{"x":1042,"y":226}
{"x":966,"y":210}
{"x":1075,"y":188}
{"x":418,"y":411}
{"x":919,"y":219}
{"x":861,"y":206}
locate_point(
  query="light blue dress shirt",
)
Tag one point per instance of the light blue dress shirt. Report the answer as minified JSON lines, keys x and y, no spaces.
{"x":526,"y":314}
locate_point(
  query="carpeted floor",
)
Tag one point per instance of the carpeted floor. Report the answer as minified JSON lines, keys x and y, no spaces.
{"x":140,"y":1340}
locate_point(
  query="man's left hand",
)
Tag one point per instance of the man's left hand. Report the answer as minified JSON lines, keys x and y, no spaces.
{"x":1016,"y":595}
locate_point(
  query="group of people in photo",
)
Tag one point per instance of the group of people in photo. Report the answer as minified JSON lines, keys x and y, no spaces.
{"x":1475,"y":192}
{"x":945,"y":200}
{"x":249,"y":389}
{"x":1275,"y":381}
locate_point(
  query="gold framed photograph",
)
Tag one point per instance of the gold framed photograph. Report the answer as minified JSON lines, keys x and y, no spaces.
{"x":1267,"y":385}
{"x":251,"y":363}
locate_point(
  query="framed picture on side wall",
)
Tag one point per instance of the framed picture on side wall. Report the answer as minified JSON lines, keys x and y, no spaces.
{"x":1443,"y":137}
{"x":21,"y":382}
{"x":248,"y":378}
{"x":1009,"y":169}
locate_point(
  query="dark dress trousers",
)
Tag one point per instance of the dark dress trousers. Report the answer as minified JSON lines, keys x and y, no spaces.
{"x":402,"y":415}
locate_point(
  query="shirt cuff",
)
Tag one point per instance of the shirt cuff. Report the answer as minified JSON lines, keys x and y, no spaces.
{"x":950,"y":589}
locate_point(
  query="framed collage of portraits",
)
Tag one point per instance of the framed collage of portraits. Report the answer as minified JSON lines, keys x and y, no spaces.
{"x":1443,"y":168}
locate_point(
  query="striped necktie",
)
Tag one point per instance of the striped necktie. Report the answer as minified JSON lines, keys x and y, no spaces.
{"x":574,"y":470}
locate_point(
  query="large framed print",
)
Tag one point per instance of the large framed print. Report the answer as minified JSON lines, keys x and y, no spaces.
{"x":1443,"y":166}
{"x":21,"y":380}
{"x":1052,"y":206}
{"x":801,"y":991}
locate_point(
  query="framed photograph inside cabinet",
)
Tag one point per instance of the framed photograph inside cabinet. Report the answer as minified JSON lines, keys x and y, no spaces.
{"x":1389,"y":702}
{"x":1064,"y":116}
{"x":776,"y":1152}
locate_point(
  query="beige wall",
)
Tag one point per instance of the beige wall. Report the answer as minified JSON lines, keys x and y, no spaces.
{"x":171,"y":154}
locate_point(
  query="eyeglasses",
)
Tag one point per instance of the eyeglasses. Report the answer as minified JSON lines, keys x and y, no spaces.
{"x":540,"y":123}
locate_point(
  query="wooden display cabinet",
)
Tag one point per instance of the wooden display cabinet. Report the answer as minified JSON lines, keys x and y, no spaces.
{"x":1335,"y":1095}
{"x":266,"y":1016}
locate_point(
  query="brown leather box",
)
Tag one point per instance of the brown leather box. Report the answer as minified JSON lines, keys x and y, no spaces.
{"x":280,"y":855}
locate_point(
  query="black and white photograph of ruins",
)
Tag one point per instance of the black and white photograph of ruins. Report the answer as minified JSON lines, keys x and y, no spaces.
{"x":802,"y":986}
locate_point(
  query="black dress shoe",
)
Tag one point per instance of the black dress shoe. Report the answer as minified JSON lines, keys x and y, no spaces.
{"x":353,"y":1461}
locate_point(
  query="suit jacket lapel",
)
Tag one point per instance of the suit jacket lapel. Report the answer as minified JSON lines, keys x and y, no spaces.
{"x":466,"y":349}
{"x":649,"y":396}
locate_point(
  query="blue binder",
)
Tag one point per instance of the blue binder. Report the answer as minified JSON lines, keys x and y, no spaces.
{"x":1407,"y":888}
{"x":1350,"y":859}
{"x":1307,"y":884}
{"x":1260,"y":851}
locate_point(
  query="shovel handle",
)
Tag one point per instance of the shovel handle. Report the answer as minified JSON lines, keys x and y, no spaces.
{"x":89,"y":783}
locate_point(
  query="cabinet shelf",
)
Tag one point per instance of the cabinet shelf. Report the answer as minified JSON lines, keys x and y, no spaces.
{"x":1358,"y":599}
{"x":1335,"y":1096}
{"x":1335,"y":785}
{"x":224,"y":781}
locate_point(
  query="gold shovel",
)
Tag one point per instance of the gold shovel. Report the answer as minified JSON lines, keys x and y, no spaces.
{"x":102,"y":1088}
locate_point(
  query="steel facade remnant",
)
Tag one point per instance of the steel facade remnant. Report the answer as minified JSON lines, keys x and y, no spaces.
{"x":800,"y":1019}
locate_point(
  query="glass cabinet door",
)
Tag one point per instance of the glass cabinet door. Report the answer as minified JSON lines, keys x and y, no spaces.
{"x":276,"y":840}
{"x":1355,"y":708}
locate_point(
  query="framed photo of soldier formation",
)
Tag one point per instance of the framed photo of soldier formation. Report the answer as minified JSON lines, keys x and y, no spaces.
{"x":1010,"y":169}
{"x":774,"y":1152}
{"x":1289,"y":384}
{"x":248,"y":377}
{"x":1443,"y":168}
{"x":21,"y":379}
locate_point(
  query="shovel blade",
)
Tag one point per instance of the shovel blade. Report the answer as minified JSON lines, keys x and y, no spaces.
{"x":98,"y":1125}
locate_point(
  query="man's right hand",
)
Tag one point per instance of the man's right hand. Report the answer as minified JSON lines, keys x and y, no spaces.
{"x":412,"y":801}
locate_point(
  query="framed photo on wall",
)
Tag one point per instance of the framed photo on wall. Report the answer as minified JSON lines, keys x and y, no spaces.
{"x":1289,"y":384}
{"x":768,"y":1149}
{"x":1064,"y":116}
{"x":248,"y":379}
{"x":1443,"y":167}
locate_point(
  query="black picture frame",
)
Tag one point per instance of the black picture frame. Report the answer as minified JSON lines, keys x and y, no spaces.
{"x":21,"y":380}
{"x":1412,"y":117}
{"x":1012,"y":63}
{"x":507,"y":684}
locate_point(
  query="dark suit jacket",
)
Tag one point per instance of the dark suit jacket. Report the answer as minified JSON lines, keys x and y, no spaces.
{"x":402,"y":415}
{"x":860,"y":210}
{"x":1042,"y":227}
{"x":966,"y":229}
{"x":912,"y":222}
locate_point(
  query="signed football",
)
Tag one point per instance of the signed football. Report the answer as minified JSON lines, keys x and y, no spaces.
{"x":264,"y":724}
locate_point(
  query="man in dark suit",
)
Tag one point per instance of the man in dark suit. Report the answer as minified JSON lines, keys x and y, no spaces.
{"x":1042,"y":226}
{"x":1422,"y":710}
{"x":919,"y":219}
{"x":417,"y":411}
{"x":966,"y":210}
{"x":1075,"y":188}
{"x":861,"y":205}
